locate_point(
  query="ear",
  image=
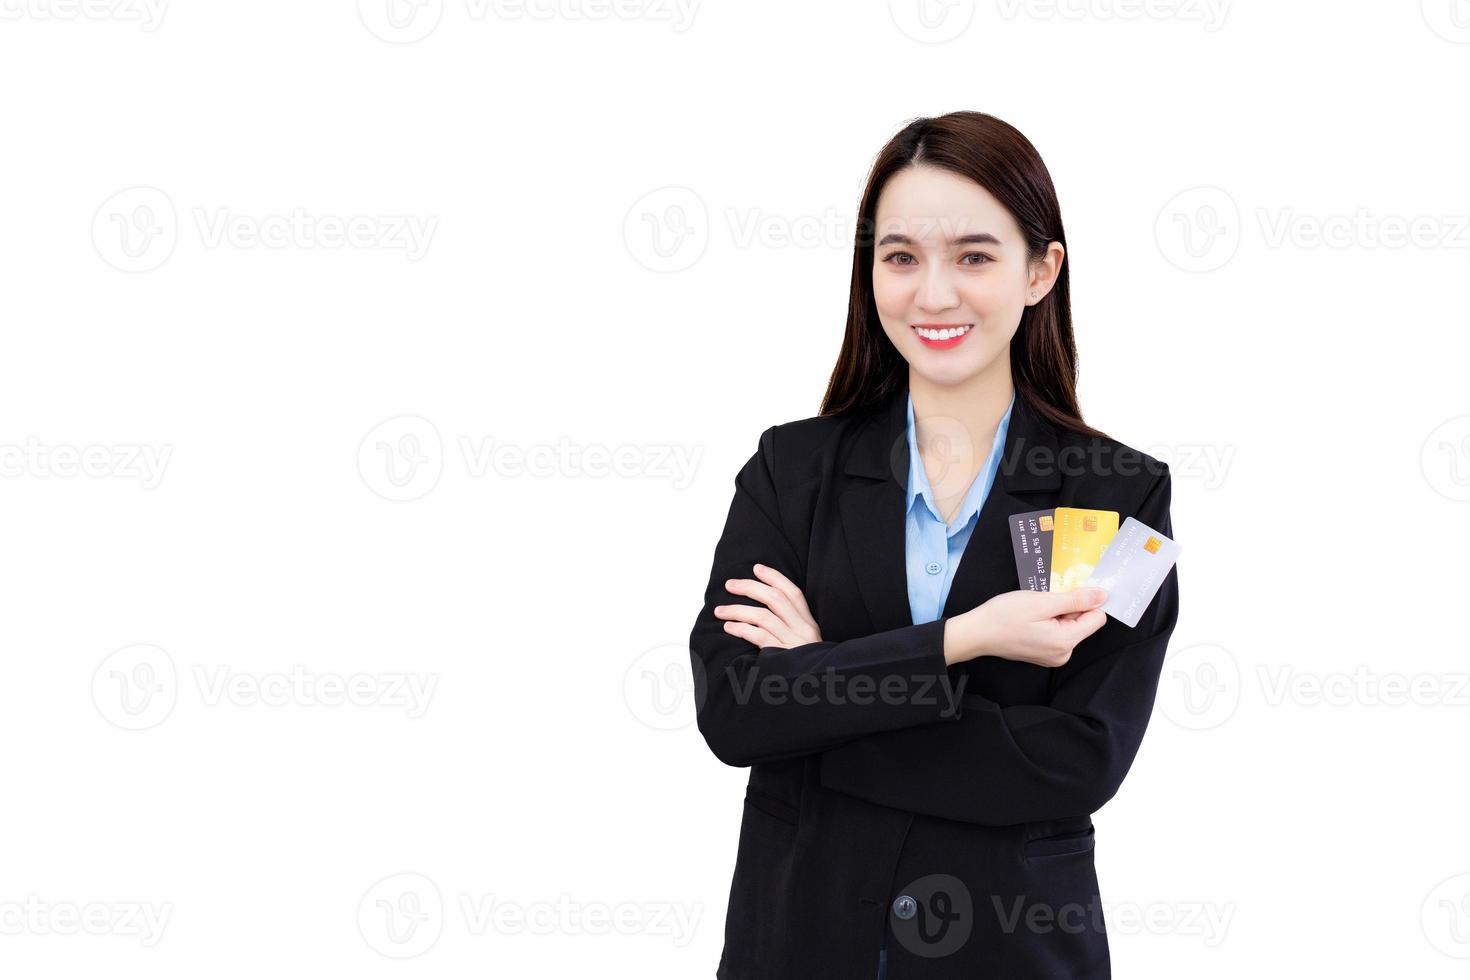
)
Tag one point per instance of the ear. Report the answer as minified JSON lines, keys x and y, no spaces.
{"x":1044,"y":272}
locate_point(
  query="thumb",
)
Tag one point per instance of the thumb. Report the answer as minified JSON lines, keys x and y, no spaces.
{"x":1078,"y":600}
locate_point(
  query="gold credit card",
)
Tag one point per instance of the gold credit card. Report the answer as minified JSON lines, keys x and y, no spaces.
{"x":1078,"y":542}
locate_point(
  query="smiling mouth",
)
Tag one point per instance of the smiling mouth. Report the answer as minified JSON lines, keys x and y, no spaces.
{"x":942,"y":335}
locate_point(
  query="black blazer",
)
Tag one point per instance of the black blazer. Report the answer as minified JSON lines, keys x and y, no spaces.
{"x":944,"y":812}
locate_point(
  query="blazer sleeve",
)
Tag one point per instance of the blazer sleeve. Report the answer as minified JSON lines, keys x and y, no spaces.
{"x":1005,"y":765}
{"x":763,"y":705}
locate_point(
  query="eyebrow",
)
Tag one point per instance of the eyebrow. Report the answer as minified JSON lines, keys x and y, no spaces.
{"x":983,"y":238}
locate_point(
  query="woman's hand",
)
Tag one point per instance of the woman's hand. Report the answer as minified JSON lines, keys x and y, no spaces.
{"x":1033,"y":627}
{"x":784,"y":622}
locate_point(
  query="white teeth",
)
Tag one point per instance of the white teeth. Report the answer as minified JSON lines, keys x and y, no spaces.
{"x":945,"y":334}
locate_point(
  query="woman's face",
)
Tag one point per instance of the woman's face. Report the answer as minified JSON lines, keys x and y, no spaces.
{"x":949,"y":258}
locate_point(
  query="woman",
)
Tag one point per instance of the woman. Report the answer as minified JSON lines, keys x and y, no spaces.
{"x":927,"y":742}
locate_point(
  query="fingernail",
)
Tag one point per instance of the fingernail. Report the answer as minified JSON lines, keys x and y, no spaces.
{"x":1099,"y":595}
{"x":759,"y":565}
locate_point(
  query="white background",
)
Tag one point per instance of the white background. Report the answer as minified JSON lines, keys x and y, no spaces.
{"x":245,"y":460}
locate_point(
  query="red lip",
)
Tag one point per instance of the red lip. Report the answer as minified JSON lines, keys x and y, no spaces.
{"x":942,"y":344}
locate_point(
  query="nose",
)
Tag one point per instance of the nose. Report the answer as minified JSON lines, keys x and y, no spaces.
{"x":936,"y":293}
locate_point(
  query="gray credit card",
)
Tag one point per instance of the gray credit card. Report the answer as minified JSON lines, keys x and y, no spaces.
{"x":1031,"y":539}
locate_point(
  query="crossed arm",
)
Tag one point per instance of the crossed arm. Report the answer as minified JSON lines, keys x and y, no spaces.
{"x":983,"y":763}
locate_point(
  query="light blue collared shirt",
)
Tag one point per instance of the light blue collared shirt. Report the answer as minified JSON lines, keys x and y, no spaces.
{"x":932,"y":549}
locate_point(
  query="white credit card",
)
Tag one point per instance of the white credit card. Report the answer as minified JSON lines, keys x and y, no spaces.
{"x":1132,"y":569}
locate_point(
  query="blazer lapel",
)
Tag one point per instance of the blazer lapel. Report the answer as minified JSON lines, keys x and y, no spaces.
{"x":873,"y":518}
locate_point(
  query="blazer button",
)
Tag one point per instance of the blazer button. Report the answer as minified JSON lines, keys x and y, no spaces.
{"x":905,"y":907}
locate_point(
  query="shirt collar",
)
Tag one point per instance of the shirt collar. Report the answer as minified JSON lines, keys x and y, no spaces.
{"x":919,"y":479}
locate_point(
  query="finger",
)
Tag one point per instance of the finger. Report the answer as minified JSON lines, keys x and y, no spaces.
{"x":754,"y":634}
{"x":758,"y":616}
{"x":1085,"y":624}
{"x":766,"y":595}
{"x":802,"y":623}
{"x":787,"y":587}
{"x":1078,"y":600}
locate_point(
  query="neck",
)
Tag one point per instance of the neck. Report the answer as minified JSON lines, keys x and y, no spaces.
{"x":976,"y":404}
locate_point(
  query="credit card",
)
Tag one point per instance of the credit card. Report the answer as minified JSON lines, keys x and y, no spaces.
{"x":1078,"y":542}
{"x":1031,"y":538}
{"x":1132,"y":569}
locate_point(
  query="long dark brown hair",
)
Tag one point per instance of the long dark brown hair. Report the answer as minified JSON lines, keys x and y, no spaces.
{"x":996,"y":156}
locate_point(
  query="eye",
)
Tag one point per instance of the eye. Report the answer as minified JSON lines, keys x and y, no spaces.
{"x":975,"y":255}
{"x":892,"y":256}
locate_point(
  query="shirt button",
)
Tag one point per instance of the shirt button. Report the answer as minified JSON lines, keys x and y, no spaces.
{"x":905,"y":907}
{"x":934,"y":568}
